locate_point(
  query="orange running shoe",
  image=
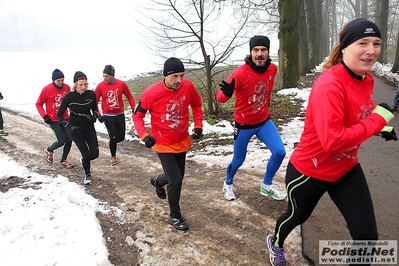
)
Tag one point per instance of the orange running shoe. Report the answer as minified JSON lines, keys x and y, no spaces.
{"x":48,"y":155}
{"x":113,"y":161}
{"x":66,"y":164}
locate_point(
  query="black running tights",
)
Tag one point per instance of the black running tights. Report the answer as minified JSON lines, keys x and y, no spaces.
{"x":116,"y":127}
{"x":85,"y":139}
{"x":350,"y":194}
{"x":173,"y":165}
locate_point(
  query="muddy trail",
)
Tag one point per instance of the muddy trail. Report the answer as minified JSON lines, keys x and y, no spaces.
{"x":136,"y":231}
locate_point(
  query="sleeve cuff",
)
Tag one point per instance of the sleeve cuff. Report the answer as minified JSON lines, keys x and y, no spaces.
{"x":386,"y":114}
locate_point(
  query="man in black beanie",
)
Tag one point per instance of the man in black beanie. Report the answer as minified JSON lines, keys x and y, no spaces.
{"x":172,"y":65}
{"x":169,"y":102}
{"x":259,"y":40}
{"x":111,"y":91}
{"x":109,"y":70}
{"x":51,"y":97}
{"x":252,"y":84}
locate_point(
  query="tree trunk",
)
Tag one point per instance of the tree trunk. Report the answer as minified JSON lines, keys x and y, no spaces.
{"x":303,"y":41}
{"x":395,"y":67}
{"x":330,"y":27}
{"x":382,"y":22}
{"x":209,"y":89}
{"x":356,"y":7}
{"x":321,"y":37}
{"x":288,"y":52}
{"x":312,"y":32}
{"x":363,"y":9}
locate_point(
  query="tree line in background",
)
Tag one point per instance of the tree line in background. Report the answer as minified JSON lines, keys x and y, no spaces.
{"x":206,"y":33}
{"x":316,"y":24}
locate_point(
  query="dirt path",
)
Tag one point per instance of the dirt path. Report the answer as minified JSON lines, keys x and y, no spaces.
{"x":221,"y":232}
{"x":137,"y":232}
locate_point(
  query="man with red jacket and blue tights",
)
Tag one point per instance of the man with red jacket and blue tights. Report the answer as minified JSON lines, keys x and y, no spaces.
{"x":252,"y":84}
{"x":168,"y":101}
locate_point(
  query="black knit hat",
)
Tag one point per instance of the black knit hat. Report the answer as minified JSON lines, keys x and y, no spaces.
{"x":109,"y":70}
{"x":79,"y":75}
{"x":57,"y":74}
{"x":259,"y":40}
{"x":172,"y":65}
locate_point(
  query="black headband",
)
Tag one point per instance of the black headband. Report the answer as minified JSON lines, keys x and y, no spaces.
{"x":357,"y":29}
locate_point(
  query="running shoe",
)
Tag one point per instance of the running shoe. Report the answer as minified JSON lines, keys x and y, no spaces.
{"x":178,"y":223}
{"x":161,"y":193}
{"x":66,"y":164}
{"x":48,"y":155}
{"x":228,"y":191}
{"x":277,"y":256}
{"x":87,"y":180}
{"x":272,"y":191}
{"x":3,"y":133}
{"x":113,"y":161}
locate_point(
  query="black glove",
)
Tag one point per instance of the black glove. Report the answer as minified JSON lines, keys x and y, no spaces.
{"x":93,"y":118}
{"x":101,"y":119}
{"x":47,"y":119}
{"x":197,"y":133}
{"x":149,"y":141}
{"x":73,"y":128}
{"x":227,"y":88}
{"x":1,"y":96}
{"x":388,"y":133}
{"x":386,"y":107}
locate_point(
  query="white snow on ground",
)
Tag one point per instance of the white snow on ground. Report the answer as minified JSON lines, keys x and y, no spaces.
{"x":51,"y":221}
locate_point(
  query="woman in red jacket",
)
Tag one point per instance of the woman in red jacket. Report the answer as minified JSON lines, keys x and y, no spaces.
{"x":340,"y":116}
{"x":168,"y":102}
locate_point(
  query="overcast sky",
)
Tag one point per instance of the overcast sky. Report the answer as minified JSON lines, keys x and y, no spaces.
{"x":73,"y":23}
{"x":102,"y":30}
{"x":79,"y":13}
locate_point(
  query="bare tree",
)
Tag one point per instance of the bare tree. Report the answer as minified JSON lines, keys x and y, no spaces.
{"x":330,"y":26}
{"x":356,"y":7}
{"x":265,"y":13}
{"x":203,"y":34}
